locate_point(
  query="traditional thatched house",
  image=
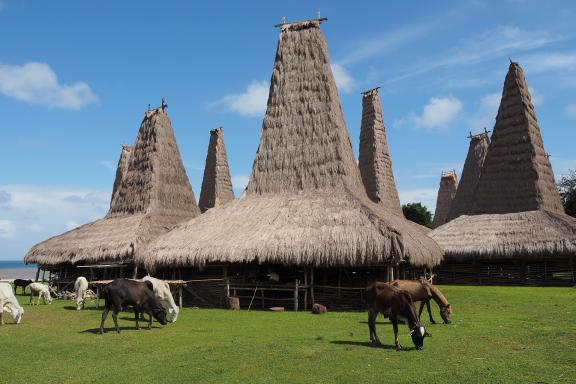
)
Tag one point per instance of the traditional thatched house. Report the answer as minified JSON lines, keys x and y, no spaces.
{"x":446,"y":193}
{"x":374,"y":157}
{"x":151,"y":195}
{"x":462,"y":202}
{"x":217,"y":183}
{"x":518,"y":231}
{"x":305,"y":210}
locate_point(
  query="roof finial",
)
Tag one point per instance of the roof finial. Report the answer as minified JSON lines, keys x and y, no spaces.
{"x":148,"y":107}
{"x":164,"y":104}
{"x":318,"y":15}
{"x":511,"y":62}
{"x":283,"y":20}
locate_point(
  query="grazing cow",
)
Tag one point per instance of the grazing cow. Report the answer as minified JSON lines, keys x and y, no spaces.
{"x":396,"y":304}
{"x":42,"y":291}
{"x":80,"y":287}
{"x":22,"y":284}
{"x":162,"y":292}
{"x":9,"y":303}
{"x":422,"y":291}
{"x":140,"y":295}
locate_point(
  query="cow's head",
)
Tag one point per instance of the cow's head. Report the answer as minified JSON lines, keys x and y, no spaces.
{"x":418,"y":333}
{"x":16,"y":312}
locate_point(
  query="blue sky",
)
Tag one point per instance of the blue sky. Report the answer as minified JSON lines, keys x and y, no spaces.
{"x":76,"y":78}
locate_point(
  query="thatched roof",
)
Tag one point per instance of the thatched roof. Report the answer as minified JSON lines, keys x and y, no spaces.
{"x":374,"y":157}
{"x":446,"y":193}
{"x":462,"y":202}
{"x":517,"y":175}
{"x":217,"y":183}
{"x":526,"y":235}
{"x":152,"y":197}
{"x":305,"y":202}
{"x":121,"y":171}
{"x":517,"y":212}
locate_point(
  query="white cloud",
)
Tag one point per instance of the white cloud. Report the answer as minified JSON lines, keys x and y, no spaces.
{"x":7,"y":229}
{"x":250,"y":103}
{"x":548,"y":62}
{"x":426,"y":196}
{"x":344,"y":81}
{"x":239,"y":182}
{"x":438,"y":113}
{"x":37,"y":84}
{"x":486,"y":114}
{"x":537,"y":97}
{"x":492,"y":44}
{"x":570,"y":110}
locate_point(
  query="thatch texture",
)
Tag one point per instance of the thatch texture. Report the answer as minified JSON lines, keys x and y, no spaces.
{"x":217,"y":183}
{"x":121,"y":171}
{"x":517,"y":213}
{"x":525,"y":235}
{"x":305,"y":201}
{"x":446,"y":193}
{"x":517,"y":175}
{"x":153,"y":196}
{"x":462,"y":202}
{"x":374,"y":157}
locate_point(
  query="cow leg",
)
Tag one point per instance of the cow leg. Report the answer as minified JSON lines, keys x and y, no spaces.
{"x":137,"y":317}
{"x":430,"y":312}
{"x":150,"y":319}
{"x":395,"y":326}
{"x":115,"y":311}
{"x":104,"y":315}
{"x":30,"y":297}
{"x":1,"y":312}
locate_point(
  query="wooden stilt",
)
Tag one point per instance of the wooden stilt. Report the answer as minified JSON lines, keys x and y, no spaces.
{"x":312,"y":285}
{"x":135,"y":274}
{"x":98,"y":297}
{"x":37,"y":274}
{"x":180,"y":292}
{"x":306,"y":289}
{"x":296,"y":283}
{"x":339,"y":280}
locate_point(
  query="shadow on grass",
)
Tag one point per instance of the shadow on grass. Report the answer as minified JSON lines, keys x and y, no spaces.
{"x":369,"y":344}
{"x":95,"y":331}
{"x":73,"y":308}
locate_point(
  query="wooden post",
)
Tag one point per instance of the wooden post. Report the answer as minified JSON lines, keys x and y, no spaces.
{"x":227,"y":289}
{"x":97,"y":296}
{"x":306,"y":289}
{"x":296,"y":295}
{"x":312,"y":285}
{"x":43,"y":274}
{"x":262,"y":297}
{"x":339,"y":280}
{"x":37,"y":274}
{"x":180,"y":296}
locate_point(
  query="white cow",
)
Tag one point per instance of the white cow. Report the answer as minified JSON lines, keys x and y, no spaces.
{"x":42,"y":291}
{"x":9,"y":303}
{"x":80,"y":287}
{"x":162,"y":292}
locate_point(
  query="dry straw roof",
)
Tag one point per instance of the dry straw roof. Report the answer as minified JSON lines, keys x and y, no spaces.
{"x":217,"y":183}
{"x":516,"y":206}
{"x":462,"y":203}
{"x":374,"y":157}
{"x":446,"y":193}
{"x":305,"y":202}
{"x":152,"y":196}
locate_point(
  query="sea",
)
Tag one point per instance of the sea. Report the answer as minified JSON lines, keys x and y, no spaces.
{"x":16,"y":269}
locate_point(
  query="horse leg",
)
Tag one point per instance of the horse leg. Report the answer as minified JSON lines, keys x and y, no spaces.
{"x":395,"y":327}
{"x":104,"y":315}
{"x":430,"y":312}
{"x":421,"y":308}
{"x":372,"y":323}
{"x":115,"y":311}
{"x":136,"y":317}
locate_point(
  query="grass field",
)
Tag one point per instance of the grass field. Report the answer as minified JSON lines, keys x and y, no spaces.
{"x":499,"y":335}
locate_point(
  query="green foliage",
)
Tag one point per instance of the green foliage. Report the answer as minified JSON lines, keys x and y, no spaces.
{"x":418,"y":213}
{"x":567,"y":189}
{"x":498,"y":335}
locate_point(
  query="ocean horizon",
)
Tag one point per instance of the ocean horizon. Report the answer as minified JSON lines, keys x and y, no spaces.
{"x":16,"y":269}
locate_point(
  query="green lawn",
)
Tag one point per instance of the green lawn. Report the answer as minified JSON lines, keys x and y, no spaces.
{"x":499,"y":335}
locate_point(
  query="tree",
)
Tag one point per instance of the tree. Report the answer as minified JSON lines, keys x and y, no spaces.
{"x":567,"y":189}
{"x":418,"y":213}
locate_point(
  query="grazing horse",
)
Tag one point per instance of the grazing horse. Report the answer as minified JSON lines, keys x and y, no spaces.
{"x":422,"y":291}
{"x":396,"y":304}
{"x":22,"y":284}
{"x":140,"y":295}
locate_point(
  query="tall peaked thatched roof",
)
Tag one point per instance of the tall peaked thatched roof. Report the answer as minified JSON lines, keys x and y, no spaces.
{"x":517,"y":212}
{"x":152,"y":197}
{"x":462,"y":202}
{"x":446,"y":193}
{"x":217,"y":183}
{"x":121,"y":170}
{"x":517,"y":175}
{"x":374,"y":158}
{"x":305,"y":202}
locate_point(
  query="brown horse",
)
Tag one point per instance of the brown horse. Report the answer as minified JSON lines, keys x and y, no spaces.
{"x":422,"y":291}
{"x":396,"y":304}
